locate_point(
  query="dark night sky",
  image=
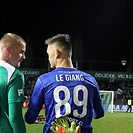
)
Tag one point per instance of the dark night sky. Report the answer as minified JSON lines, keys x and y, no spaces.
{"x":105,"y":27}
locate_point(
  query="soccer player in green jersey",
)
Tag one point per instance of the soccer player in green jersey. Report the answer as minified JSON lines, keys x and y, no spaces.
{"x":12,"y":53}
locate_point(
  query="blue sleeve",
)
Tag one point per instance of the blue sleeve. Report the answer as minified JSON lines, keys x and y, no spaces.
{"x":31,"y":116}
{"x":35,"y":104}
{"x":98,"y":111}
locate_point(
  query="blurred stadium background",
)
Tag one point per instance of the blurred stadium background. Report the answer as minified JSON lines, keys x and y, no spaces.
{"x":111,"y":76}
{"x":102,"y":36}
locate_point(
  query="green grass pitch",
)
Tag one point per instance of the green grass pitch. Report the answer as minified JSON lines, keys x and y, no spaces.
{"x":117,"y":122}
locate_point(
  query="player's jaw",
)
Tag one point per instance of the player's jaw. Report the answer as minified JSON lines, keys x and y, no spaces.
{"x":17,"y":62}
{"x":52,"y":64}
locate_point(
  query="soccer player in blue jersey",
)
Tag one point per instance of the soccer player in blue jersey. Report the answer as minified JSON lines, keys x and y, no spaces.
{"x":12,"y":53}
{"x":65,"y":91}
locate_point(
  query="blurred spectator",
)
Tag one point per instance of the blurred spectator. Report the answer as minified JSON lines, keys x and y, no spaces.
{"x":129,"y":103}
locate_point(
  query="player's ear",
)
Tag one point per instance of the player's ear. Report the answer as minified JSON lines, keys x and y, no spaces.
{"x":8,"y":50}
{"x":57,"y":53}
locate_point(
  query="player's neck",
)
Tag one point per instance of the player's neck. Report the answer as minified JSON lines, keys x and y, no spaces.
{"x":64,"y":63}
{"x":5,"y":58}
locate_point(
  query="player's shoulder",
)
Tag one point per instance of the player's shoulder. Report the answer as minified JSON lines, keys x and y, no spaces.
{"x":88,"y":75}
{"x":46,"y":75}
{"x":18,"y":72}
{"x":2,"y":69}
{"x":89,"y":78}
{"x":9,"y":68}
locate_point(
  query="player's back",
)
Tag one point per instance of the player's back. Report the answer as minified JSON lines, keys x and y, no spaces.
{"x":68,"y":91}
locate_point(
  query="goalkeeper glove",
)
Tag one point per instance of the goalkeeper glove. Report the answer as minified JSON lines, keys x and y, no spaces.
{"x":61,"y":125}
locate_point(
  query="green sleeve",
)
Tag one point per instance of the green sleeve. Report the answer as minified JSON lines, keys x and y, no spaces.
{"x":16,"y":88}
{"x":15,"y":101}
{"x":16,"y":118}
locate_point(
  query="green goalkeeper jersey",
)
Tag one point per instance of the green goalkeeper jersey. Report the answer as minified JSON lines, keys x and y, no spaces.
{"x":11,"y":99}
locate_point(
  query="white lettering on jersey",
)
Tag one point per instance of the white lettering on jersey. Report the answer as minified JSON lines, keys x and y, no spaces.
{"x":70,"y":77}
{"x":65,"y":102}
{"x":20,"y":92}
{"x":74,"y":77}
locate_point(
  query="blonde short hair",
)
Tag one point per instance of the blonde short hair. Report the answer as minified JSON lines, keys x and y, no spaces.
{"x":11,"y":39}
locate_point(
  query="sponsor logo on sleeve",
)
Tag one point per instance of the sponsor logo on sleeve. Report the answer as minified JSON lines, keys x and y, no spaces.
{"x":20,"y":92}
